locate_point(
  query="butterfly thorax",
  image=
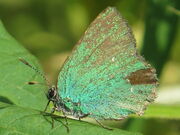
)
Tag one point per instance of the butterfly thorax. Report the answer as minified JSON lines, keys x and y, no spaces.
{"x":70,"y":108}
{"x":65,"y":105}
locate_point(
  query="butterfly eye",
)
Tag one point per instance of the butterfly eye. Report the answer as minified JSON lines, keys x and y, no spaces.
{"x":51,"y":93}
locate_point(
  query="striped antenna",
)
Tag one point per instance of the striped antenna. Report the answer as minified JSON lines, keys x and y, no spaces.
{"x":36,"y":70}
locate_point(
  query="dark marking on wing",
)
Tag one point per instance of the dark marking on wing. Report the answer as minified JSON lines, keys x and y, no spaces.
{"x":142,"y":76}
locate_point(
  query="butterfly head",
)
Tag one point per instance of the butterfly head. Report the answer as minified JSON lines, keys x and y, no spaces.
{"x":52,"y":94}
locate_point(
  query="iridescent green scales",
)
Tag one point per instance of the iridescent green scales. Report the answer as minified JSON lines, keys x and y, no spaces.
{"x":105,"y":77}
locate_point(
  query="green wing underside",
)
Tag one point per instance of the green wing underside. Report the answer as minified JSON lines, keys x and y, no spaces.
{"x":103,"y":72}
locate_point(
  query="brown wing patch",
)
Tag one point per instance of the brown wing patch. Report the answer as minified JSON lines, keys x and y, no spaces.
{"x":143,"y":76}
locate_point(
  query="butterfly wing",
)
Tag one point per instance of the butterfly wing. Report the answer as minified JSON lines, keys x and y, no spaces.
{"x":105,"y":74}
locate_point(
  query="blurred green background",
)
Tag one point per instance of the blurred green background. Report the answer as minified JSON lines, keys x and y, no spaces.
{"x":50,"y":28}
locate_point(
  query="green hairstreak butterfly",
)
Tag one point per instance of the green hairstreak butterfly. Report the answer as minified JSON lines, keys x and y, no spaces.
{"x":104,"y":77}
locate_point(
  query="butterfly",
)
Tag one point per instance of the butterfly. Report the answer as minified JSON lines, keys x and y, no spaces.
{"x":104,"y":77}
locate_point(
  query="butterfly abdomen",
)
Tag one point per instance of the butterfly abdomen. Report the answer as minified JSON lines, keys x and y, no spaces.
{"x":71,"y":108}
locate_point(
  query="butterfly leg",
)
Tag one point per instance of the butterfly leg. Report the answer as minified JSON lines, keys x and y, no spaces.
{"x":56,"y":118}
{"x":103,"y":125}
{"x":82,"y":116}
{"x":46,"y":106}
{"x":67,"y":128}
{"x":65,"y":118}
{"x":52,"y":111}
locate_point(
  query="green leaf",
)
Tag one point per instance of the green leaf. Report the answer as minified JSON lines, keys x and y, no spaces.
{"x":14,"y":74}
{"x":18,"y":120}
{"x":163,"y":111}
{"x":21,"y":105}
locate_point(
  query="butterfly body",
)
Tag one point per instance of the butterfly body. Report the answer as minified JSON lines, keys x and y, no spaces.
{"x":105,"y":77}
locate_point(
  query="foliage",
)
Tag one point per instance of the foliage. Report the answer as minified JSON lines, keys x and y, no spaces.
{"x":49,"y":28}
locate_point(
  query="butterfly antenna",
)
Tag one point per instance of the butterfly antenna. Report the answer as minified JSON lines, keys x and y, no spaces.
{"x":36,"y":70}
